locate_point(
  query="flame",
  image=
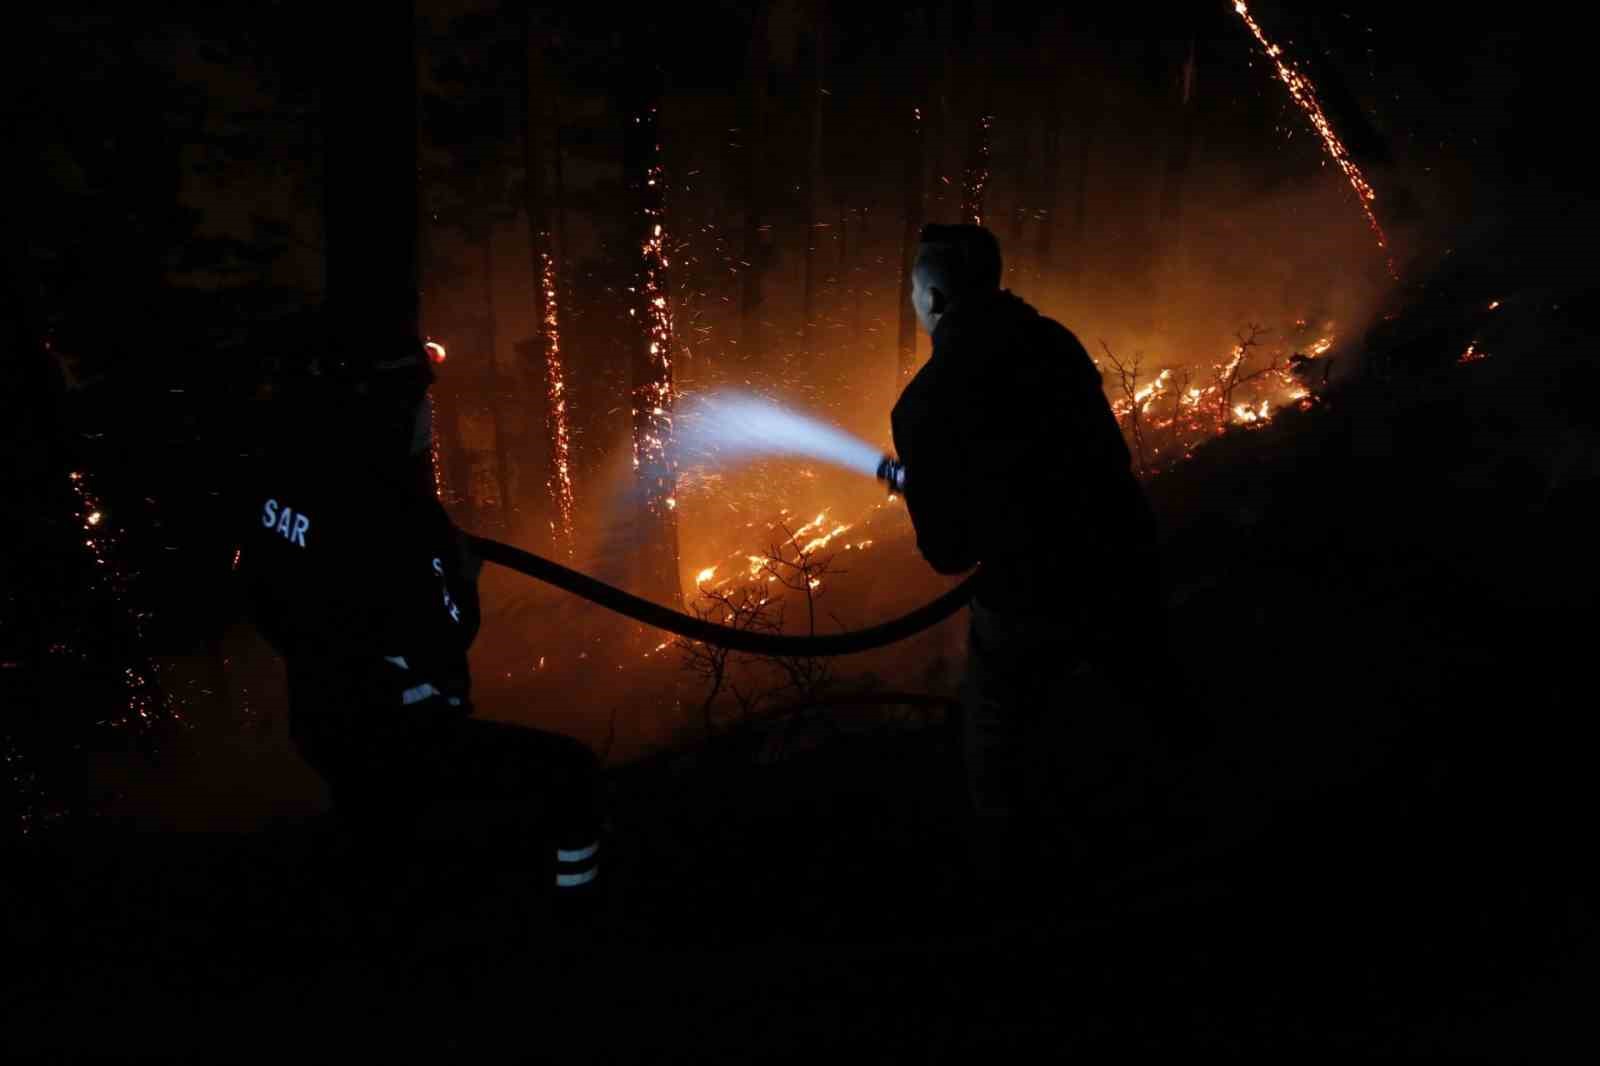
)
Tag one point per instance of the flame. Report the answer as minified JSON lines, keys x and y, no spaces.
{"x":1305,"y":95}
{"x":705,"y":575}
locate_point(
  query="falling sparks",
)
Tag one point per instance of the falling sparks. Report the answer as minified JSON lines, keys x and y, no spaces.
{"x":557,"y":422}
{"x":1473,"y":354}
{"x":435,"y":462}
{"x":1305,"y":95}
{"x":145,"y":701}
{"x":653,"y":397}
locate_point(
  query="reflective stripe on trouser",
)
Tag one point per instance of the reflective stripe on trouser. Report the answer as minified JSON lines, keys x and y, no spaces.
{"x":576,"y":867}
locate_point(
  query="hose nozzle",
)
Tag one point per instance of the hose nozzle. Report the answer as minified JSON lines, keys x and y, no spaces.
{"x":892,"y":472}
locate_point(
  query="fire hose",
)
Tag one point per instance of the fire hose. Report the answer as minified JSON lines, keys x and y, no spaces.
{"x":890,"y":471}
{"x":684,"y":625}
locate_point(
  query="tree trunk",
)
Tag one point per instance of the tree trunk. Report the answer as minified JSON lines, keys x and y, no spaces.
{"x":546,"y":362}
{"x":810,"y":328}
{"x":652,"y":349}
{"x":753,"y":123}
{"x":369,"y":208}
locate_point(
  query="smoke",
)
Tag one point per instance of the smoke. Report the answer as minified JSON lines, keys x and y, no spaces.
{"x":721,"y":428}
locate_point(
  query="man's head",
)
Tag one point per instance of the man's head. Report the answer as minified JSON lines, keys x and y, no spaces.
{"x":954,"y":265}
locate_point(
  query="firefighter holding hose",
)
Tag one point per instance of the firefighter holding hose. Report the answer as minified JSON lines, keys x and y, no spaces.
{"x":355,"y":574}
{"x":1009,"y":455}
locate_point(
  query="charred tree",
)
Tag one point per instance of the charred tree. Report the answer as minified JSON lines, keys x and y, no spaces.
{"x":651,"y":348}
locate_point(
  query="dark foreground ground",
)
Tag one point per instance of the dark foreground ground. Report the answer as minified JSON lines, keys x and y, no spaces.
{"x":1384,"y":609}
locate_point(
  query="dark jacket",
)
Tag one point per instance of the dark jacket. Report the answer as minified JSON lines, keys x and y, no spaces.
{"x":349,"y":563}
{"x":1014,"y":459}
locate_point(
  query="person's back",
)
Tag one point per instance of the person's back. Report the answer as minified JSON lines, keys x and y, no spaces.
{"x":349,"y":566}
{"x":1013,"y":461}
{"x":1031,"y":474}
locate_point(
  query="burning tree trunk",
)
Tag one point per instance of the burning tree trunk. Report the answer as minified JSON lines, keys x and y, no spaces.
{"x":652,"y":353}
{"x":546,"y":353}
{"x":809,"y":330}
{"x":753,"y":119}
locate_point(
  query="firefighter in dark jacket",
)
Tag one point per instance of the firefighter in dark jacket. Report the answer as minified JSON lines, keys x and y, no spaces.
{"x":1014,"y":459}
{"x":357,"y":577}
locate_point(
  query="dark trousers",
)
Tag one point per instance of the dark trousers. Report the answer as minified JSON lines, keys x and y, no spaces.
{"x":1058,"y":751}
{"x":427,"y":781}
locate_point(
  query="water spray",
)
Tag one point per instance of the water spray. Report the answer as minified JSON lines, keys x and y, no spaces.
{"x":728,"y":426}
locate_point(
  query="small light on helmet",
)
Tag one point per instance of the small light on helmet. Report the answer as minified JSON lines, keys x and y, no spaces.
{"x":436,"y":354}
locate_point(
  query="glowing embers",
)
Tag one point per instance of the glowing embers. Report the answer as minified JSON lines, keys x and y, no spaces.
{"x":1305,"y":95}
{"x":560,"y":484}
